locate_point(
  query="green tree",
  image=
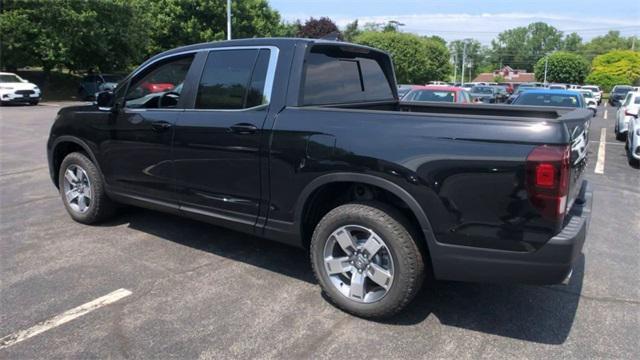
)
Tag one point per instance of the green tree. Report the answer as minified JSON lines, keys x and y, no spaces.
{"x":74,"y":34}
{"x":475,"y":56}
{"x":417,"y":60}
{"x":572,"y":42}
{"x":521,"y":47}
{"x":351,"y":31}
{"x":605,"y":43}
{"x":615,"y":67}
{"x":563,"y":67}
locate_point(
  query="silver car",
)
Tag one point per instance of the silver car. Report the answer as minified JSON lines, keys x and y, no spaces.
{"x":633,"y":139}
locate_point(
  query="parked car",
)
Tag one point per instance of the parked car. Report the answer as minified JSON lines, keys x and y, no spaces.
{"x":632,"y":145}
{"x":485,"y":94}
{"x":305,"y":142}
{"x":94,"y":83}
{"x":436,"y":93}
{"x":403,"y":89}
{"x":597,"y":92}
{"x":548,"y":97}
{"x":589,"y":100}
{"x":557,"y":87}
{"x":14,"y":89}
{"x":626,"y":112}
{"x":510,"y":87}
{"x":618,"y":93}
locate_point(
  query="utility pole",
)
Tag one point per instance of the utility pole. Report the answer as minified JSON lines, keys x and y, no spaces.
{"x":464,"y":55}
{"x":228,"y":19}
{"x":455,"y":67}
{"x":546,"y":62}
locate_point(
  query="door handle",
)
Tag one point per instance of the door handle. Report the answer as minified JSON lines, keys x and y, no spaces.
{"x":243,"y":128}
{"x":160,"y":125}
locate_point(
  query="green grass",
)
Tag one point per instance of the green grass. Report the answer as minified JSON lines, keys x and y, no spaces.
{"x":59,"y":85}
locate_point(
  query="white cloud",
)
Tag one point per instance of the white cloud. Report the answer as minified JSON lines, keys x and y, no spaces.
{"x":486,"y":26}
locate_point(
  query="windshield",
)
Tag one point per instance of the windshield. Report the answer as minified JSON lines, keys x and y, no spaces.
{"x":8,"y":78}
{"x":481,"y":90}
{"x":560,"y":100}
{"x":622,"y":89}
{"x":587,"y":94}
{"x":432,"y":95}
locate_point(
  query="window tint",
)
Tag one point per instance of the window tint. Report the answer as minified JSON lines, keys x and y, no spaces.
{"x":160,"y":86}
{"x":547,"y":100}
{"x":333,"y":76}
{"x":636,"y":101}
{"x":433,"y":95}
{"x":233,"y":79}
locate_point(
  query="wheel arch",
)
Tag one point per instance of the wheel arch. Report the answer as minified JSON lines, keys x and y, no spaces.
{"x":63,"y":146}
{"x":372,"y":180}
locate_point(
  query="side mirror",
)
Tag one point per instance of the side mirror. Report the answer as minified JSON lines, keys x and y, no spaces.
{"x":24,"y":81}
{"x":632,"y":112}
{"x":104,"y":100}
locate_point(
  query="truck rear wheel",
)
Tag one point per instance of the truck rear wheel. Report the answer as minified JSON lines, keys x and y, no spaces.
{"x":366,"y":260}
{"x":82,"y":190}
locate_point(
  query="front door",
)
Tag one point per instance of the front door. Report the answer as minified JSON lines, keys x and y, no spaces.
{"x":137,"y":154}
{"x":217,"y":141}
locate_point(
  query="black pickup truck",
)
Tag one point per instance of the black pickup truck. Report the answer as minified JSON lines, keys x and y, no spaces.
{"x":305,"y":142}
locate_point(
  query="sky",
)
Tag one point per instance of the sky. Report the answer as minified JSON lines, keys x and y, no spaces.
{"x":478,"y":19}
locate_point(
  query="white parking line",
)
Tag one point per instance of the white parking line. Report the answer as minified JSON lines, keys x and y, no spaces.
{"x":601,"y":151}
{"x":65,"y":317}
{"x":605,"y":114}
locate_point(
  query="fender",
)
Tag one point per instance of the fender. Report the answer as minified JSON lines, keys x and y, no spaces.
{"x":387,"y":185}
{"x":77,"y":141}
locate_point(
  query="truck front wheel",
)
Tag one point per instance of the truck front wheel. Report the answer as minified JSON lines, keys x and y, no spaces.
{"x":366,"y":260}
{"x":82,"y":190}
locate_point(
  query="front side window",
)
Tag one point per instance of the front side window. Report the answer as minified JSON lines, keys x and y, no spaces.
{"x":160,"y":85}
{"x":233,"y":79}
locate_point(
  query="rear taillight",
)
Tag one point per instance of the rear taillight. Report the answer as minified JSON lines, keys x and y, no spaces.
{"x":547,"y":180}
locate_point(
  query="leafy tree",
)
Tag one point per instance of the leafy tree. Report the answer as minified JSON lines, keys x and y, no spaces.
{"x":605,"y":43}
{"x":615,"y":67}
{"x":572,"y":42}
{"x":563,"y":67}
{"x":351,"y":31}
{"x":475,"y":57}
{"x":521,"y":47}
{"x":417,"y":60}
{"x":318,"y":28}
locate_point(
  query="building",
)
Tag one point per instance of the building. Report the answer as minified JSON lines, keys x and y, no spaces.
{"x":509,"y":75}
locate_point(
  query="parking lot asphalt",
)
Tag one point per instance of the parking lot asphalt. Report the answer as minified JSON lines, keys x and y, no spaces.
{"x":199,"y":291}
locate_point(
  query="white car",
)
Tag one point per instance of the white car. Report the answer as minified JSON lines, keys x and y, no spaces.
{"x":14,"y":89}
{"x":633,"y":137}
{"x":626,"y":112}
{"x":589,"y":99}
{"x":597,"y":92}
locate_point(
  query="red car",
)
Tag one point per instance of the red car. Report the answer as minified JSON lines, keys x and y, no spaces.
{"x":156,"y":87}
{"x":438,"y":93}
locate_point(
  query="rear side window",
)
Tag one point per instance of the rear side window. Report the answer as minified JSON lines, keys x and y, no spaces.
{"x":333,"y":76}
{"x":233,"y":79}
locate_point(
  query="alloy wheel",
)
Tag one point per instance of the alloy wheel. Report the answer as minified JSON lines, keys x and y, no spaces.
{"x":77,"y":188}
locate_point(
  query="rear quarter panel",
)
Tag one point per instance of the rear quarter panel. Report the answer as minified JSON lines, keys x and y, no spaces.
{"x":466,"y":172}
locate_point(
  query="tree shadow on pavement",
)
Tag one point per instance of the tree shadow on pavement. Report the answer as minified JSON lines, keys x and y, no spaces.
{"x":542,"y":314}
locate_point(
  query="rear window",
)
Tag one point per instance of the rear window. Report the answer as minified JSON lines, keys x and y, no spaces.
{"x":333,"y":76}
{"x":548,"y":100}
{"x":482,"y":90}
{"x":622,"y":89}
{"x":431,"y":95}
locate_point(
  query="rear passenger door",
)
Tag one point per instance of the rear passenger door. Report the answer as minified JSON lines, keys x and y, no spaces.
{"x":217,"y":139}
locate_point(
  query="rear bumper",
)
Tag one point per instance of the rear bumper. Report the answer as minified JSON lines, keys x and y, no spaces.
{"x":550,"y":264}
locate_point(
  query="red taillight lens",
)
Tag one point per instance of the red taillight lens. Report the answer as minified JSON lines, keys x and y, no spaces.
{"x":547,"y":180}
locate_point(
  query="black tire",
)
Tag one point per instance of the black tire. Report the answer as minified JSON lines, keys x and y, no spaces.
{"x":100,"y":206}
{"x":632,"y":161}
{"x":620,"y":136}
{"x":396,"y":233}
{"x":34,"y":103}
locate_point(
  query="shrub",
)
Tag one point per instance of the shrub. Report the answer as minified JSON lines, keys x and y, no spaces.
{"x":562,"y":67}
